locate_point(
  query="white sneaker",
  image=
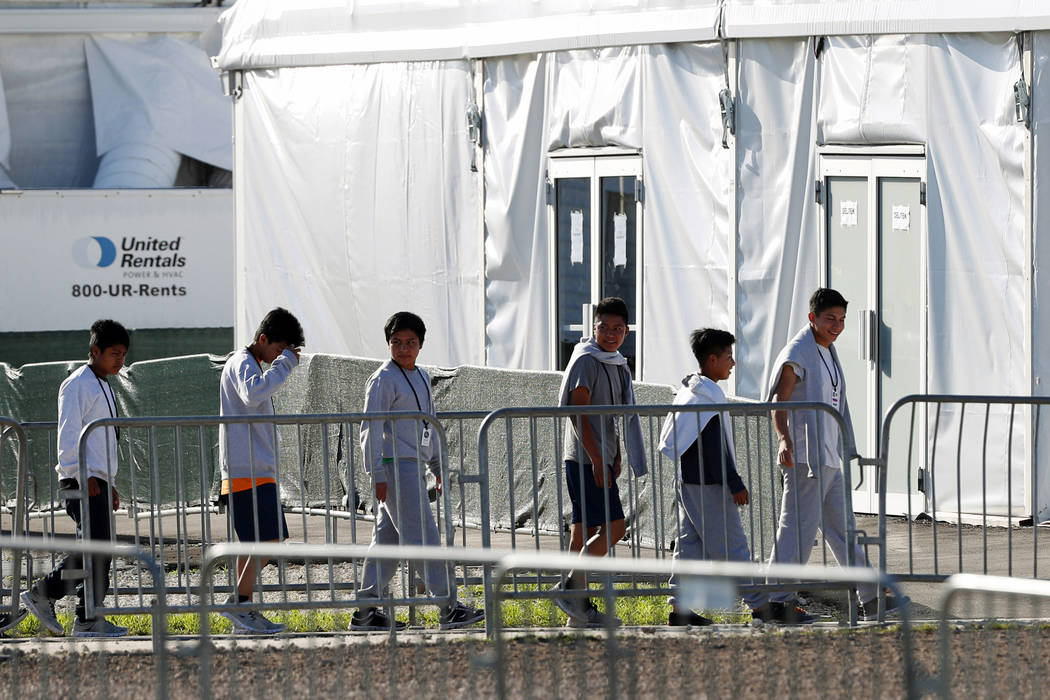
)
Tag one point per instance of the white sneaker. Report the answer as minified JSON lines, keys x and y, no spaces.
{"x":573,"y":607}
{"x":99,"y":627}
{"x":251,"y":621}
{"x":43,"y":608}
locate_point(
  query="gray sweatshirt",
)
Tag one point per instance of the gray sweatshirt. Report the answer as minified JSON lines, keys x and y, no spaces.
{"x":391,"y":388}
{"x":245,"y":390}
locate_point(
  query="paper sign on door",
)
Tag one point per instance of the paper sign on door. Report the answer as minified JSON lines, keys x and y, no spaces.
{"x":576,"y":236}
{"x":847,"y":213}
{"x":901,"y":217}
{"x":620,"y":240}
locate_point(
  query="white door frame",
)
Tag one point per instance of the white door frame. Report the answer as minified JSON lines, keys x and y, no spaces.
{"x":595,"y":163}
{"x":874,"y":164}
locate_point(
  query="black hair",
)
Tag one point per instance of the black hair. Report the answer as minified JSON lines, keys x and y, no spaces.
{"x":405,"y":321}
{"x":709,"y":341}
{"x":105,"y":333}
{"x":824,"y":299}
{"x":280,"y":326}
{"x":611,"y":305}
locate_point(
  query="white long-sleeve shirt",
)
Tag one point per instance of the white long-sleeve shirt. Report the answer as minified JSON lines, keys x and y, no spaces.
{"x":82,"y":398}
{"x":247,"y":451}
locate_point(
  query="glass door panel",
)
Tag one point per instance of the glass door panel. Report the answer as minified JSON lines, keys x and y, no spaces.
{"x":573,"y":214}
{"x":619,"y":263}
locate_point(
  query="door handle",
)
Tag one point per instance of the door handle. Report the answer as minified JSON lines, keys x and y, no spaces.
{"x":868,"y":333}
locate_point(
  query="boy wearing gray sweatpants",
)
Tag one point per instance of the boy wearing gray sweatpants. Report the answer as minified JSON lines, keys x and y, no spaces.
{"x":395,"y":452}
{"x":709,"y":488}
{"x":810,"y":452}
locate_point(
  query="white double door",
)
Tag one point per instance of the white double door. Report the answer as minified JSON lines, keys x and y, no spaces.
{"x":875,"y":255}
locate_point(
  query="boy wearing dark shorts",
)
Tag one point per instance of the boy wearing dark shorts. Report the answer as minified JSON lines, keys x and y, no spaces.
{"x":597,"y":374}
{"x":86,"y":396}
{"x":248,"y":452}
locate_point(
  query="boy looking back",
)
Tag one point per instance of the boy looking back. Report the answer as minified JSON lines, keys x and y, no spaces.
{"x":86,"y":396}
{"x":709,"y":489}
{"x":248,"y":452}
{"x":810,"y":451}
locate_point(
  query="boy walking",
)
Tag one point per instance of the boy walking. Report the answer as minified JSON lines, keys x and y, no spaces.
{"x":810,"y":452}
{"x":248,"y":453}
{"x":709,"y":488}
{"x":597,"y":374}
{"x":394,"y":454}
{"x":83,"y":397}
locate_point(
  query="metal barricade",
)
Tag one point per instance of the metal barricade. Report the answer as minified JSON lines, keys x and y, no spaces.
{"x":177,"y":455}
{"x":1001,"y":644}
{"x":12,"y":495}
{"x":524,"y":463}
{"x":409,"y":664}
{"x":717,"y":661}
{"x":961,"y":473}
{"x":50,"y":668}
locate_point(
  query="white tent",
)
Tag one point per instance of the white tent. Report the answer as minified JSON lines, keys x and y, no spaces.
{"x":424,"y":155}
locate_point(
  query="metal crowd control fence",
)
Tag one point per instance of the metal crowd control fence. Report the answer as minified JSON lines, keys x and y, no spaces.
{"x":954,"y":466}
{"x":990,"y":658}
{"x":12,"y":495}
{"x":37,"y":672}
{"x":520,"y":458}
{"x":317,"y":666}
{"x":638,"y":663}
{"x":176,"y":456}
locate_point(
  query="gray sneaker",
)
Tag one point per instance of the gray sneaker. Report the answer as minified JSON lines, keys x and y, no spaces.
{"x":9,"y":620}
{"x":594,"y":618}
{"x":575,"y":608}
{"x":43,"y":608}
{"x":99,"y":627}
{"x":869,"y":610}
{"x":251,"y":621}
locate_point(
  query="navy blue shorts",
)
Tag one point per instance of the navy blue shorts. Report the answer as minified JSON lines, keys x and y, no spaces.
{"x":240,"y":510}
{"x":593,"y":495}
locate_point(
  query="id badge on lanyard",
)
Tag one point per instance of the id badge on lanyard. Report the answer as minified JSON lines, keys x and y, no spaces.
{"x":425,"y":441}
{"x":835,"y":398}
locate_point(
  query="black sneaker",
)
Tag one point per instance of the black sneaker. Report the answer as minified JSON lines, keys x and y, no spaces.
{"x":765,"y":613}
{"x":373,"y":620}
{"x":869,"y":610}
{"x":459,"y":615}
{"x":680,"y":619}
{"x":792,"y":614}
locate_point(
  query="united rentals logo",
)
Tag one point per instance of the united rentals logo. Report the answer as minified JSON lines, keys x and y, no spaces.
{"x":94,"y":251}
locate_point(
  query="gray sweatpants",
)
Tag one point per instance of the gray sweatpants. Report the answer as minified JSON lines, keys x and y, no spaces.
{"x":709,"y":527}
{"x":806,"y":500}
{"x":405,"y":518}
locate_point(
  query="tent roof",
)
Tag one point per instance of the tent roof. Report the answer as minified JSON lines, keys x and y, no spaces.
{"x":275,"y":33}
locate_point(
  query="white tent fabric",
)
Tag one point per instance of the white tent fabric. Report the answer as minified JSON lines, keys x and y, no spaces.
{"x":360,"y":202}
{"x":49,"y":110}
{"x":161,"y":93}
{"x":1040,"y":115}
{"x":270,"y":33}
{"x":804,"y":18}
{"x":778,"y":262}
{"x":5,"y":141}
{"x":596,"y":98}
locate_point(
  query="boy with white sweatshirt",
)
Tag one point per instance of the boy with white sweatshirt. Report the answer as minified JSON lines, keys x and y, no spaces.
{"x":85,"y":396}
{"x":708,"y":486}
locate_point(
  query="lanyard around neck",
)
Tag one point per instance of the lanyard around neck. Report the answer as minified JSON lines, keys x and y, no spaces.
{"x":414,"y":394}
{"x":111,"y":407}
{"x":833,"y":377}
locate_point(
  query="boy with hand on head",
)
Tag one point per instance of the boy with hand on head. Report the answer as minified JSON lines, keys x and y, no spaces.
{"x":83,"y":397}
{"x":394,"y":453}
{"x":597,"y":374}
{"x":810,"y":452}
{"x":709,"y":488}
{"x":248,"y":452}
